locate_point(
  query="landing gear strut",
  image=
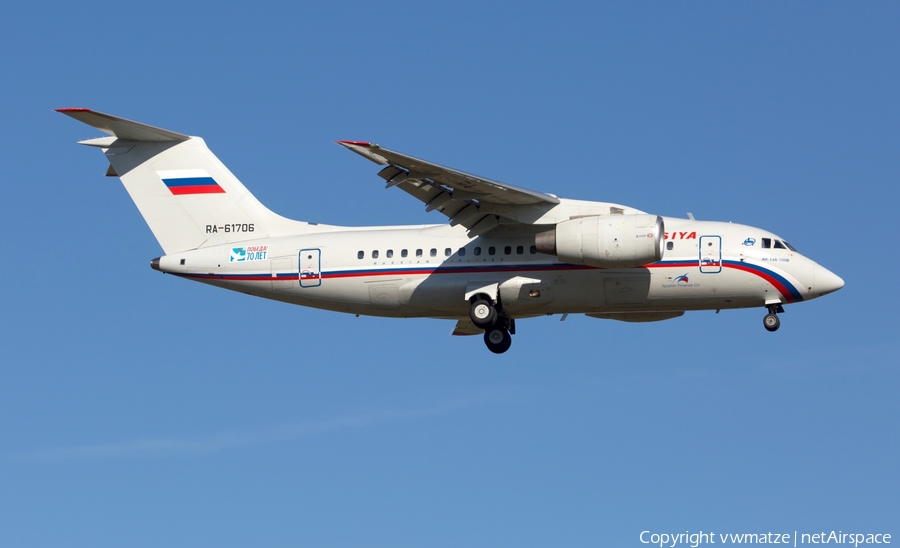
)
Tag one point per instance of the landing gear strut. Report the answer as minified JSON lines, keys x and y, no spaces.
{"x":771,"y":321}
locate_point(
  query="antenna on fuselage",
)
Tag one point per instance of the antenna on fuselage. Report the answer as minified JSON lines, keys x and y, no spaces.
{"x":691,"y":216}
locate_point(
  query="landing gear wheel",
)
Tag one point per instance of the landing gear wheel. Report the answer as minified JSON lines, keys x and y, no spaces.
{"x":497,"y":340}
{"x":482,"y":313}
{"x":771,"y":322}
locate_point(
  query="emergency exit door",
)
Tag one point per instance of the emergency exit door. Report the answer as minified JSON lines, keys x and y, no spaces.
{"x":310,"y":267}
{"x":710,"y":254}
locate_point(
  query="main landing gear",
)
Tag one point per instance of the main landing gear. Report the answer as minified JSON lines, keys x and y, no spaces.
{"x":771,"y":321}
{"x":482,"y":313}
{"x":497,"y":339}
{"x":497,"y":328}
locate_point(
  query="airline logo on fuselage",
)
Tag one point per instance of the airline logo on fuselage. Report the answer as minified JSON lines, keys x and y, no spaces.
{"x":680,"y":236}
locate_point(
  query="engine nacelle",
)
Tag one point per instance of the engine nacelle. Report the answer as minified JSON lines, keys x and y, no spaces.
{"x":607,"y":241}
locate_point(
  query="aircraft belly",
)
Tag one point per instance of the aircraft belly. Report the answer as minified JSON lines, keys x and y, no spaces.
{"x":409,"y":296}
{"x":522,"y":292}
{"x":654,"y":289}
{"x":627,"y":289}
{"x":443,"y":293}
{"x":384,"y":296}
{"x":691,"y":289}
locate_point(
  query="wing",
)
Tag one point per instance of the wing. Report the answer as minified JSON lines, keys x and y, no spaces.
{"x":477,"y":203}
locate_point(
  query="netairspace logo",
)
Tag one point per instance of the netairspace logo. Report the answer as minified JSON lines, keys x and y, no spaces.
{"x":696,"y":539}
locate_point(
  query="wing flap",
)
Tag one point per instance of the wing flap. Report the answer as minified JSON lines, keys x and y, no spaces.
{"x":466,"y":328}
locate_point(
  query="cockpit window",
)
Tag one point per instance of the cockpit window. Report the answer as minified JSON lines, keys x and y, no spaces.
{"x":792,"y":248}
{"x":766,"y":243}
{"x":779,"y":245}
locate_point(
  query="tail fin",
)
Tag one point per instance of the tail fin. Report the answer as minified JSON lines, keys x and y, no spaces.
{"x":186,"y":195}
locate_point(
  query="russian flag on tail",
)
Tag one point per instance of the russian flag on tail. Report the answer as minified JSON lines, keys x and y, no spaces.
{"x":189,"y":181}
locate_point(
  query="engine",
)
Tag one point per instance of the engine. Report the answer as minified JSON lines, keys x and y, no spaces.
{"x":607,"y":241}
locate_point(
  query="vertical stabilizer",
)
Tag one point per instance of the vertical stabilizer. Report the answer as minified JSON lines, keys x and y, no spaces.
{"x":186,"y":195}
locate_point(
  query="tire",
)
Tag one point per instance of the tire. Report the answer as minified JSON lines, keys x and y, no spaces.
{"x":771,"y":322}
{"x":482,"y":314}
{"x":498,"y":340}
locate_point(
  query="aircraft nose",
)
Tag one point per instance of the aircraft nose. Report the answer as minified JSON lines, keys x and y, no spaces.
{"x":827,"y":281}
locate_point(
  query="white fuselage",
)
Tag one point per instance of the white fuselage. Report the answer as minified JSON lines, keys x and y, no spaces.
{"x":426,"y":271}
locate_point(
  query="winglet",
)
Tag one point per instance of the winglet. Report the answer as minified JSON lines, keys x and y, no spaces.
{"x":364,"y":149}
{"x":120,"y":127}
{"x":357,"y":143}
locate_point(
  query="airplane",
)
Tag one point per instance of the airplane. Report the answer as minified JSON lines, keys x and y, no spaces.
{"x":507,"y":253}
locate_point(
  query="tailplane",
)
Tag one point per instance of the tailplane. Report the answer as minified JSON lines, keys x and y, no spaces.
{"x":187,"y":196}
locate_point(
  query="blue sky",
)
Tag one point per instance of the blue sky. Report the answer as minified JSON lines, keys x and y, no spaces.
{"x":139,"y":409}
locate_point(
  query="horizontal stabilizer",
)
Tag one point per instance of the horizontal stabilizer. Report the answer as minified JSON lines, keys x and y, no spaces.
{"x":122,"y":128}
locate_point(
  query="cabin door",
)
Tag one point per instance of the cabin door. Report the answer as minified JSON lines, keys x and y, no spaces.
{"x":710,"y":254}
{"x":310,"y":267}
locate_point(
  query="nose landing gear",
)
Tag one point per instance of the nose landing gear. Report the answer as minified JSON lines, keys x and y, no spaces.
{"x":771,"y":321}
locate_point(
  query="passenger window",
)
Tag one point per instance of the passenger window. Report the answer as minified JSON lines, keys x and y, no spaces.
{"x":519,"y":250}
{"x":361,"y":254}
{"x":532,"y":249}
{"x":418,"y":253}
{"x":390,"y":253}
{"x":433,"y":252}
{"x":404,"y":253}
{"x":375,"y":254}
{"x":766,"y":243}
{"x":477,"y":251}
{"x":448,"y":252}
{"x":670,"y":245}
{"x":492,"y":250}
{"x":507,"y":250}
{"x":779,"y":245}
{"x":462,"y":252}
